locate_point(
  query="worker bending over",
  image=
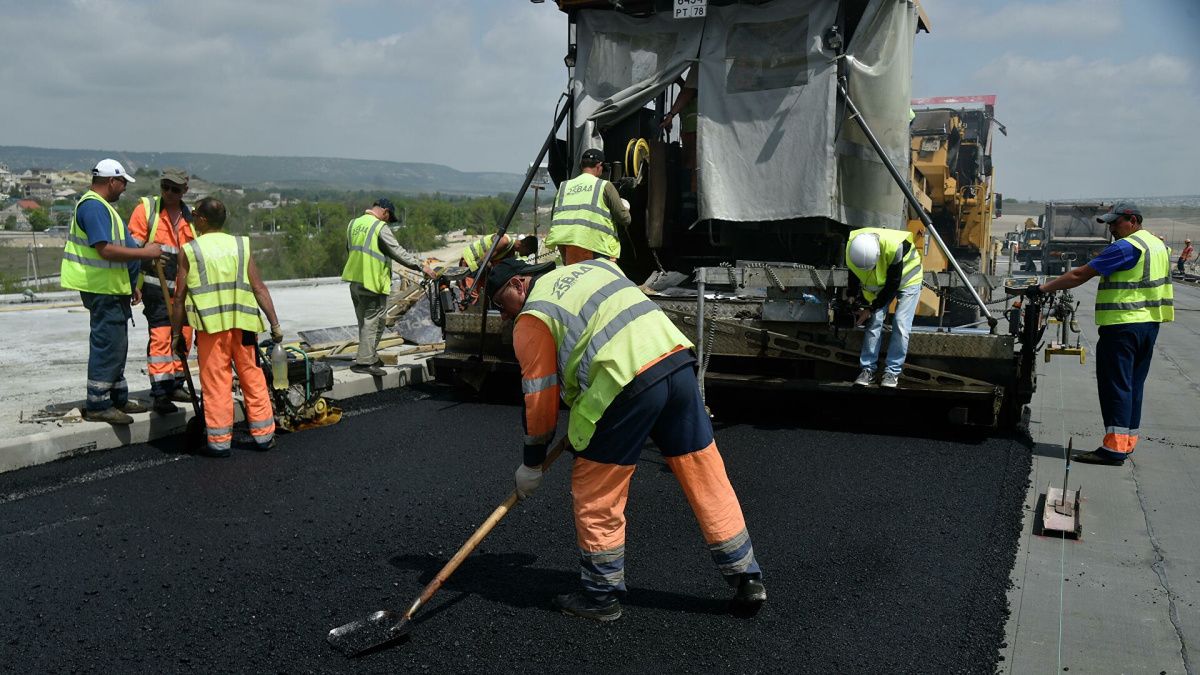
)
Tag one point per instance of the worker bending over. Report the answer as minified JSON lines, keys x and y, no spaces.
{"x":1135,"y":296}
{"x":96,"y":262}
{"x":222,"y":290}
{"x":477,"y":250}
{"x":167,"y":221}
{"x":885,"y":266}
{"x":508,"y":246}
{"x":586,"y":333}
{"x":370,"y":248}
{"x":587,"y":212}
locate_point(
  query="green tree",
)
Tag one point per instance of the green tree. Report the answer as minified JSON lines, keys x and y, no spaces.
{"x":38,"y":220}
{"x":10,"y":222}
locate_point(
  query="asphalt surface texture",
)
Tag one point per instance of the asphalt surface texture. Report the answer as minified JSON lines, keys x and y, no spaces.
{"x":881,"y":552}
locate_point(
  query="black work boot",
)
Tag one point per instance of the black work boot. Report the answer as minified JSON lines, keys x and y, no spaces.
{"x":750,"y":594}
{"x":163,"y":406}
{"x":373,"y":370}
{"x":604,"y":607}
{"x":1098,"y":456}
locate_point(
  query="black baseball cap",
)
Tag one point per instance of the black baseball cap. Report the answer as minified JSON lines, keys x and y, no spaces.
{"x":1120,"y":209}
{"x":385,"y":203}
{"x":506,"y":269}
{"x":592,"y":156}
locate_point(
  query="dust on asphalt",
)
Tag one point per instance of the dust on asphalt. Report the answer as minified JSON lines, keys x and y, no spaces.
{"x":881,"y":553}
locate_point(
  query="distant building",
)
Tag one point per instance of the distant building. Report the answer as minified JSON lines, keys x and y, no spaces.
{"x":36,"y":190}
{"x":29,"y":204}
{"x":18,"y":214}
{"x":66,"y":193}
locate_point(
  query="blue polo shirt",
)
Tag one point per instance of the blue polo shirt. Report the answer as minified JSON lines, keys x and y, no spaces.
{"x":93,"y":219}
{"x":1117,"y":256}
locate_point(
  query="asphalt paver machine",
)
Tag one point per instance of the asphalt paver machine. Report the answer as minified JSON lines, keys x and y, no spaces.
{"x":802,"y":135}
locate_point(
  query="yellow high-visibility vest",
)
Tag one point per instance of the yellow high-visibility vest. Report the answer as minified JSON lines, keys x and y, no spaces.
{"x":82,"y":268}
{"x":219,"y":284}
{"x":1141,"y":294}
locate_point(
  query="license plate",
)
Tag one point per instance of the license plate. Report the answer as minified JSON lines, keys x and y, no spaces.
{"x":690,"y":9}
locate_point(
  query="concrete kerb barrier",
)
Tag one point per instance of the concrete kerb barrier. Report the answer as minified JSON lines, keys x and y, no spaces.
{"x":49,"y":444}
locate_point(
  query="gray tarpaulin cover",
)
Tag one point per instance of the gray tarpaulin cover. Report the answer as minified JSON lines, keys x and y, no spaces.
{"x":771,"y":146}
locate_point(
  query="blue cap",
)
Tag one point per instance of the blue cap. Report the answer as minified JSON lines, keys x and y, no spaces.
{"x":1120,"y":209}
{"x":385,"y":203}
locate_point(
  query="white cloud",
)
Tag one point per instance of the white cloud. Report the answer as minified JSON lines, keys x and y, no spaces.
{"x":1080,"y":127}
{"x":452,"y":82}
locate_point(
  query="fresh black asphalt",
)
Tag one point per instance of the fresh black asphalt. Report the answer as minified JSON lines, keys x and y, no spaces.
{"x":882,"y":553}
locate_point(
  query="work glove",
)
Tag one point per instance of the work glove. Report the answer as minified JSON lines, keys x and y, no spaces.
{"x":179,"y":345}
{"x":1034,"y":292}
{"x":527,"y":478}
{"x":276,"y":334}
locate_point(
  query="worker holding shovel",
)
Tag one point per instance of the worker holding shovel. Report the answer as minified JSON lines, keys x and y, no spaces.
{"x":220,"y":284}
{"x":588,"y":334}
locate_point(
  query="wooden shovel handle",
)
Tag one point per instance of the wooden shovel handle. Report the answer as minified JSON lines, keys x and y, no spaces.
{"x":162,"y":282}
{"x":479,"y":535}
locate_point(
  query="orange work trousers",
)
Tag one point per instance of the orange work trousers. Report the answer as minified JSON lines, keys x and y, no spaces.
{"x":165,"y":368}
{"x":220,"y":353}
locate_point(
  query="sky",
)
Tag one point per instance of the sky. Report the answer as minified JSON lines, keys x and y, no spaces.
{"x":1100,"y":97}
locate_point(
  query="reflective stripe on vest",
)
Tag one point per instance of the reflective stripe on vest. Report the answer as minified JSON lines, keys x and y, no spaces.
{"x":891,"y":244}
{"x":365,"y":262}
{"x":581,"y":217}
{"x":1142,"y":293}
{"x":605,"y":330}
{"x":475,"y":252}
{"x":219,"y":284}
{"x":82,"y":268}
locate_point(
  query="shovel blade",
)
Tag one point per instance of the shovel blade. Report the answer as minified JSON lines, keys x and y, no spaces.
{"x":369,"y":633}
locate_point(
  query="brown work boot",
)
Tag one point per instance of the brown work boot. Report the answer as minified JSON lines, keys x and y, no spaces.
{"x":181,"y":395}
{"x":133,"y":406}
{"x":110,"y":415}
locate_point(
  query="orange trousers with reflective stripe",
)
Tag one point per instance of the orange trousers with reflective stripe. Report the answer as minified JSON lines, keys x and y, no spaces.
{"x":221,"y":353}
{"x":162,"y":364}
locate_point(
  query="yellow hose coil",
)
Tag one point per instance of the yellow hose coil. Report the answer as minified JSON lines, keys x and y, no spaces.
{"x":637,"y":152}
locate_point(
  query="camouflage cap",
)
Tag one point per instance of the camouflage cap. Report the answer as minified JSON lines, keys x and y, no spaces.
{"x":174,"y":175}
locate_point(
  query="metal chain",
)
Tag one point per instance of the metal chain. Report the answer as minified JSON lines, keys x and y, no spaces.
{"x":944,"y":292}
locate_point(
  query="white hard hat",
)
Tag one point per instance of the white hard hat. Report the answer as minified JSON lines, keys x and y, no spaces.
{"x":864,"y":251}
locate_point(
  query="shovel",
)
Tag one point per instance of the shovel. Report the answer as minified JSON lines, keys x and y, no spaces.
{"x":194,"y":436}
{"x":385,"y":626}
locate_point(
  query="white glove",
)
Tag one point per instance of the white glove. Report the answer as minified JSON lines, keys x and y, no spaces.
{"x":625,"y":203}
{"x":527,"y":479}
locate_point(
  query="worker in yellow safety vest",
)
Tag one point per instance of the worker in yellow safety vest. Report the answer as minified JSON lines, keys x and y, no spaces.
{"x":588,"y":334}
{"x":219,"y":289}
{"x":587,"y":212}
{"x":100,"y":261}
{"x":885,"y":266}
{"x":1135,"y":296}
{"x":371,"y":247}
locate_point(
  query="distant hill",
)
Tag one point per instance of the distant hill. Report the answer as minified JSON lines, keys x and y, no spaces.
{"x":279,"y":172}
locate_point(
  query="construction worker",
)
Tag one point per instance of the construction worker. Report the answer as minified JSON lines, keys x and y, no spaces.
{"x":1184,"y":256}
{"x":477,"y":250}
{"x":370,"y":247}
{"x":687,"y":103}
{"x":219,"y":284}
{"x":1135,"y":296}
{"x":586,"y":333}
{"x":100,"y":261}
{"x":167,"y":221}
{"x":886,"y":266}
{"x":587,"y":211}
